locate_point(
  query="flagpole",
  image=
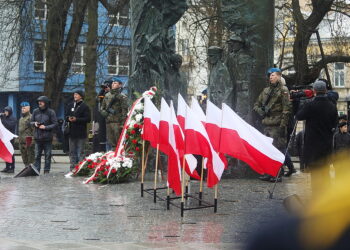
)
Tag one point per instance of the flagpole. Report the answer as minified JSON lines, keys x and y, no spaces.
{"x":142,"y":166}
{"x":155,"y":176}
{"x":201,"y":183}
{"x":216,"y":198}
{"x":168,"y":199}
{"x":183,"y":187}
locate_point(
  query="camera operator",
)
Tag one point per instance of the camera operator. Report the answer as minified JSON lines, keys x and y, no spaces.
{"x":99,"y":124}
{"x":274,"y":107}
{"x":321,"y":117}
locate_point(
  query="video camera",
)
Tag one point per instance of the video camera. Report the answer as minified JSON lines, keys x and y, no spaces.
{"x":301,"y":91}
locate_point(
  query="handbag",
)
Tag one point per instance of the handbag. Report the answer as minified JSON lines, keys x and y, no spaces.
{"x":66,"y":128}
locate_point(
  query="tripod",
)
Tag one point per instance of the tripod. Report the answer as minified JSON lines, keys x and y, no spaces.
{"x":285,"y":154}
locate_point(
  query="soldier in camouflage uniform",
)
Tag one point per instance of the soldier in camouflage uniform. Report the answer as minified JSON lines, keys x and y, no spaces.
{"x":26,"y":132}
{"x":274,"y":107}
{"x":114,"y":109}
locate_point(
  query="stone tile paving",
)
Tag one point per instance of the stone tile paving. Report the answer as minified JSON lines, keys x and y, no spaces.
{"x":54,"y":212}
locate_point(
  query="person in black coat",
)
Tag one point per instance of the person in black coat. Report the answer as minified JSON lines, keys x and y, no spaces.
{"x":342,"y":138}
{"x":9,"y":123}
{"x":321,"y":118}
{"x":44,"y":121}
{"x":78,"y":116}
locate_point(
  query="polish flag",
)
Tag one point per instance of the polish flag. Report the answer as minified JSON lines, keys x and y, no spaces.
{"x":167,"y":144}
{"x":151,"y":123}
{"x":197,"y":109}
{"x":213,"y":127}
{"x":191,"y":161}
{"x":181,"y":111}
{"x":248,"y":144}
{"x":6,"y":148}
{"x":198,"y":142}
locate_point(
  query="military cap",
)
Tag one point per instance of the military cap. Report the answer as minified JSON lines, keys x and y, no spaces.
{"x":272,"y":70}
{"x":214,"y":50}
{"x":235,"y":38}
{"x":25,"y":104}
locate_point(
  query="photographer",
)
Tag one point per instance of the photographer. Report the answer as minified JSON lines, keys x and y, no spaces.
{"x":274,"y":107}
{"x":78,"y":116}
{"x":9,"y":123}
{"x":321,"y":117}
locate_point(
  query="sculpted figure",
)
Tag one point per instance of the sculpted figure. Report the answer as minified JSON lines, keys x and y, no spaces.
{"x":240,"y":65}
{"x":220,"y":88}
{"x":175,"y":81}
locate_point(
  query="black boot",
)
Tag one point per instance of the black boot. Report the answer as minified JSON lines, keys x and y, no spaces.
{"x":10,"y":170}
{"x":273,"y":179}
{"x":265,"y":177}
{"x":5,"y":170}
{"x":46,"y":171}
{"x":290,"y":172}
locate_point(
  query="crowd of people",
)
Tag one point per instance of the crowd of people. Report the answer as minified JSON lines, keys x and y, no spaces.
{"x":36,"y":130}
{"x":278,"y":108}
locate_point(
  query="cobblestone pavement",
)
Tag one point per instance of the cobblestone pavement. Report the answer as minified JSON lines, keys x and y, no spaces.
{"x":54,"y":212}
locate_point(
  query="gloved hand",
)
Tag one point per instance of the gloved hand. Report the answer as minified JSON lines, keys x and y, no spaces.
{"x":261,"y":112}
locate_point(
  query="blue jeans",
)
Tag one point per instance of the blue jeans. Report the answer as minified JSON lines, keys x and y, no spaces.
{"x":41,"y":146}
{"x":76,"y":151}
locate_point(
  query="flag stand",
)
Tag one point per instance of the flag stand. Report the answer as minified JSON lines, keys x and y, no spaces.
{"x":183,"y":187}
{"x":216,"y":198}
{"x":155,"y":176}
{"x":201,"y":184}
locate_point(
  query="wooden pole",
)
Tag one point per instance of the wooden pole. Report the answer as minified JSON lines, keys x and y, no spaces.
{"x":155,"y":176}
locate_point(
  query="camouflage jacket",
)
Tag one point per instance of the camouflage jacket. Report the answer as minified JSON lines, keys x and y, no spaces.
{"x":274,"y":106}
{"x":25,"y":129}
{"x":114,"y":107}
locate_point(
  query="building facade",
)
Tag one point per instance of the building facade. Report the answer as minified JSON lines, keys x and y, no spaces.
{"x":25,"y":80}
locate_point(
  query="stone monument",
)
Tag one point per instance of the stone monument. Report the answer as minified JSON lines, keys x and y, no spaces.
{"x":152,"y":22}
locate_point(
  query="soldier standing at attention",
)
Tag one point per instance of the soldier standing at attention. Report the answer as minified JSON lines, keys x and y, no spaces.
{"x":114,"y":109}
{"x":274,"y":107}
{"x":25,"y":135}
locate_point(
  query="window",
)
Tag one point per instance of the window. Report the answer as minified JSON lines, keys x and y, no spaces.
{"x":40,"y":9}
{"x":121,"y":19}
{"x":78,"y":64}
{"x":339,"y":69}
{"x":118,"y":61}
{"x":39,"y":57}
{"x":184,"y":47}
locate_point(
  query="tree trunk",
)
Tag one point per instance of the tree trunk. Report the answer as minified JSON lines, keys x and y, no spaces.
{"x":60,"y":48}
{"x":91,"y":54}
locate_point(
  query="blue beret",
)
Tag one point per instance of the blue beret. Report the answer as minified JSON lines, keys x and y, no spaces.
{"x":272,"y":70}
{"x":24,"y":104}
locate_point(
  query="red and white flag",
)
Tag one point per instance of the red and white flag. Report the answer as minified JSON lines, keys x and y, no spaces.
{"x":167,"y":144}
{"x":197,"y":109}
{"x":248,"y":144}
{"x":6,"y":148}
{"x":151,"y":123}
{"x":191,"y":161}
{"x":198,"y":142}
{"x":181,"y":111}
{"x":213,"y":127}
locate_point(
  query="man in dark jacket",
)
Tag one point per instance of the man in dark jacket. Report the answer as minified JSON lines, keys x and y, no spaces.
{"x":9,"y":123}
{"x":321,"y":118}
{"x":78,"y":116}
{"x":45,"y":122}
{"x":342,"y":139}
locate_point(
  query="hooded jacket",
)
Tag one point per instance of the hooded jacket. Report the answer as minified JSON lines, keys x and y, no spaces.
{"x":47,"y":117}
{"x":9,"y":121}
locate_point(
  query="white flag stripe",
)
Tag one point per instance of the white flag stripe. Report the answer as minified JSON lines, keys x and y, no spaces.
{"x":198,"y":110}
{"x":250,"y":134}
{"x":214,"y":114}
{"x":151,"y":112}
